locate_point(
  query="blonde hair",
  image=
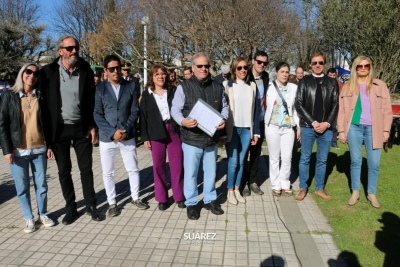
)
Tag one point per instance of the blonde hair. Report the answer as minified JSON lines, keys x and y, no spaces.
{"x":352,"y":86}
{"x":19,"y":83}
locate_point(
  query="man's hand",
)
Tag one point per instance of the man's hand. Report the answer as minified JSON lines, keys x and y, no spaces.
{"x":221,"y":125}
{"x":50,"y":154}
{"x":342,"y":138}
{"x":119,"y":135}
{"x":385,"y":136}
{"x":320,"y":127}
{"x":189,"y":123}
{"x":9,"y":158}
{"x":147,"y":145}
{"x":92,"y":134}
{"x":254,"y":140}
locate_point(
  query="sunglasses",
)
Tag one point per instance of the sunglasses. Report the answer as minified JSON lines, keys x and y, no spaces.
{"x":317,"y":62}
{"x":112,"y":69}
{"x":239,"y":68}
{"x":29,"y":72}
{"x":264,"y":63}
{"x":201,"y":66}
{"x":365,"y":66}
{"x":71,"y":48}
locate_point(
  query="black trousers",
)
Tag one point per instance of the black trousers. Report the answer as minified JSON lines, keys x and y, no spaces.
{"x":67,"y":133}
{"x":251,"y":167}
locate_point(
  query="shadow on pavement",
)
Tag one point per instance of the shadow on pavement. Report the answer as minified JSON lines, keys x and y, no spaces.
{"x":273,"y":260}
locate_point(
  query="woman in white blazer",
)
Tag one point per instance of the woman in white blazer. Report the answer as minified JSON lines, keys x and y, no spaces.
{"x":280,"y":118}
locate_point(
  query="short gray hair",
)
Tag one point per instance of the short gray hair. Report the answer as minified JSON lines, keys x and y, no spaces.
{"x":19,"y":83}
{"x":200,"y":54}
{"x":62,"y":38}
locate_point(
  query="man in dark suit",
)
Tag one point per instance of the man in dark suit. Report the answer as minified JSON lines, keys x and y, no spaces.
{"x":68,"y":89}
{"x":116,"y":110}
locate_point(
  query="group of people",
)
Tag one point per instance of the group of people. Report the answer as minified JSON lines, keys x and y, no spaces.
{"x":51,"y":108}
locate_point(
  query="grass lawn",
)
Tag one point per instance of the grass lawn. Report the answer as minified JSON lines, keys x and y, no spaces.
{"x":365,"y":235}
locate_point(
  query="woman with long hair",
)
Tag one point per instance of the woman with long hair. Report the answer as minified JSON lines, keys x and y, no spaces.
{"x":240,"y":126}
{"x":280,"y":119}
{"x":23,"y":143}
{"x":172,"y":77}
{"x":160,"y":134}
{"x":365,"y":116}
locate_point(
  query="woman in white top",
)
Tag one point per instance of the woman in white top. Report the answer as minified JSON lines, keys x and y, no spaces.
{"x":280,"y":118}
{"x":240,"y":126}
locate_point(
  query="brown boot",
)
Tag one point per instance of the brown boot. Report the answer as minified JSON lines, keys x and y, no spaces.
{"x":374,"y":201}
{"x":300,"y":195}
{"x":355,"y":196}
{"x":323,"y":194}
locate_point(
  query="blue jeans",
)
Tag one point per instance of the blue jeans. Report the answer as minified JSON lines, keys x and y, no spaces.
{"x":20,"y":173}
{"x":355,"y":137}
{"x":308,"y":137}
{"x":236,"y":150}
{"x":191,"y":162}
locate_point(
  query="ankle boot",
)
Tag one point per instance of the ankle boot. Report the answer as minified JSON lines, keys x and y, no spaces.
{"x":239,"y":198}
{"x":355,"y":196}
{"x":374,"y":201}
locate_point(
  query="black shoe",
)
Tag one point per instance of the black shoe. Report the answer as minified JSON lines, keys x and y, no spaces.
{"x":113,"y":210}
{"x":335,"y":145}
{"x":162,"y":206}
{"x":96,"y":216}
{"x":255,"y":189}
{"x":214,"y":208}
{"x":192,"y":213}
{"x":181,"y":204}
{"x":70,"y":217}
{"x":246,"y":191}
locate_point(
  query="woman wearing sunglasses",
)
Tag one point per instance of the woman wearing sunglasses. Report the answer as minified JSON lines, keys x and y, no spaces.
{"x":280,"y":119}
{"x":365,"y":116}
{"x":240,"y":127}
{"x":160,"y":134}
{"x":23,"y":143}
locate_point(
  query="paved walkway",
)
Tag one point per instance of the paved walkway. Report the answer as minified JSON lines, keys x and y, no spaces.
{"x":266,"y":231}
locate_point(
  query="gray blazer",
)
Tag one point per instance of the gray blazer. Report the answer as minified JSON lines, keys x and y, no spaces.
{"x":111,"y":114}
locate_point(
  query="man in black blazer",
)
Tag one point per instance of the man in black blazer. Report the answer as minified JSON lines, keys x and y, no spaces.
{"x":116,"y":110}
{"x":67,"y":86}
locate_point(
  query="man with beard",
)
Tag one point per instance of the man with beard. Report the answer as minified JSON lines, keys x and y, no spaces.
{"x":68,"y":89}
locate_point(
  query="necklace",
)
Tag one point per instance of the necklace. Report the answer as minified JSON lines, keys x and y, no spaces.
{"x":29,"y":100}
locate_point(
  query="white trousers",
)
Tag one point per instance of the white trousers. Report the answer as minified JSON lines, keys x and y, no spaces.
{"x":108,"y":151}
{"x":280,"y":145}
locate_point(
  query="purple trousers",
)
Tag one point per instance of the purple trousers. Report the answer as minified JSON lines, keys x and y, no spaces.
{"x":173,"y":145}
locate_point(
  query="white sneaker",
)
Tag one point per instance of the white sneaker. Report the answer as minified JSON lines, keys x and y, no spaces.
{"x":46,"y":221}
{"x":239,"y":197}
{"x":30,"y":226}
{"x":232,"y":198}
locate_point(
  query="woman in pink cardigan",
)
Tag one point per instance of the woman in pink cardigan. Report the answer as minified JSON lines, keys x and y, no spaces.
{"x":365,"y":115}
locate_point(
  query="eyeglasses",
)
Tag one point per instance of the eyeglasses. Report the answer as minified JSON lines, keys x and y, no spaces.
{"x":112,"y":69}
{"x":71,"y":48}
{"x":317,"y":62}
{"x":29,"y":72}
{"x":201,"y":66}
{"x":365,"y":67}
{"x":264,"y":63}
{"x":239,"y":68}
{"x":158,"y":74}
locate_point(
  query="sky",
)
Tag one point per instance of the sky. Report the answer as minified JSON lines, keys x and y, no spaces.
{"x":46,"y":12}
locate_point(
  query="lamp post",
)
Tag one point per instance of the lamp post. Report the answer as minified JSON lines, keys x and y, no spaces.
{"x":145,"y":22}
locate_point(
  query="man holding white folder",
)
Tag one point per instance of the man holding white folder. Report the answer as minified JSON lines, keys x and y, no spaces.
{"x":196,"y":144}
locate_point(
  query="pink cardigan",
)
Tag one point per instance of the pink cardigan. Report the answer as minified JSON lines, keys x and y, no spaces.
{"x":381,"y":112}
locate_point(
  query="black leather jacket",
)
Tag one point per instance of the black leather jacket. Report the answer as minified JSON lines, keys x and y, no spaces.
{"x":10,"y":120}
{"x":305,"y":98}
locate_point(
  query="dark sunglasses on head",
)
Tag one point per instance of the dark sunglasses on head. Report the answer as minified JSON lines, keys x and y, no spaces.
{"x":264,"y":63}
{"x":29,"y":72}
{"x":201,"y":66}
{"x":71,"y":48}
{"x":239,"y":68}
{"x":112,"y":69}
{"x":365,"y":66}
{"x":317,"y":62}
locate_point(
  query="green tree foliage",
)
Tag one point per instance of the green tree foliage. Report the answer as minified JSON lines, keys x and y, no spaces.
{"x":369,"y":28}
